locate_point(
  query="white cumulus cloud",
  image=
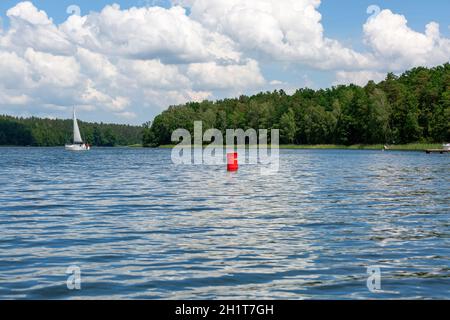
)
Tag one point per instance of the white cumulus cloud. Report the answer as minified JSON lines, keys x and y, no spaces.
{"x":31,"y":28}
{"x":285,"y":30}
{"x":398,"y":47}
{"x":149,"y":33}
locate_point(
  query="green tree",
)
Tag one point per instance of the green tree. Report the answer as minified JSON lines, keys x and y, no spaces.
{"x":288,"y":127}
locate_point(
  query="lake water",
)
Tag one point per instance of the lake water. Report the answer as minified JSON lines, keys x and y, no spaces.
{"x":140,"y":227}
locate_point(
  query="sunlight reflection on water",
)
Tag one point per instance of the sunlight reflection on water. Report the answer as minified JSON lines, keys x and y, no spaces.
{"x":140,"y":227}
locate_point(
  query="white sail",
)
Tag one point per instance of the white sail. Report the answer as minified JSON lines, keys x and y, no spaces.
{"x":76,"y":130}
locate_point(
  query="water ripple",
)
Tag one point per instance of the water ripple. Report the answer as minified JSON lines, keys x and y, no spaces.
{"x":140,"y":227}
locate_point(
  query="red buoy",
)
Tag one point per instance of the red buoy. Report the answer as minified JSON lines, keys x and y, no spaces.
{"x":232,"y":161}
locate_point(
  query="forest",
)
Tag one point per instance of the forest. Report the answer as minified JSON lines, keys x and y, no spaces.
{"x":412,"y":107}
{"x":49,"y":132}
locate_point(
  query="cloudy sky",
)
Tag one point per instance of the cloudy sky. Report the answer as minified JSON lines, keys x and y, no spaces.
{"x":126,"y":61}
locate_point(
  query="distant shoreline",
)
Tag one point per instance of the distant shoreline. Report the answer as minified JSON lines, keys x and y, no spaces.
{"x":403,"y":147}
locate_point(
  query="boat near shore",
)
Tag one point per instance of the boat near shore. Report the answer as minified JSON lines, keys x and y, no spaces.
{"x":445,"y":149}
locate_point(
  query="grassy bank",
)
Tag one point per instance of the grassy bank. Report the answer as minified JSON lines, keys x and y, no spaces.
{"x":403,"y":147}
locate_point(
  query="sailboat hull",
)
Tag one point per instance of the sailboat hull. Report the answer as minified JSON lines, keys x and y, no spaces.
{"x":77,"y":147}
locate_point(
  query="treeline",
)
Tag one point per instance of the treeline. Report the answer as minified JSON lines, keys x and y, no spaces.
{"x":48,"y":132}
{"x":413,"y":107}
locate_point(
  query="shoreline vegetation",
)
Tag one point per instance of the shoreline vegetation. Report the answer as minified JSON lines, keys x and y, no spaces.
{"x":403,"y":147}
{"x":400,"y":110}
{"x":40,"y":132}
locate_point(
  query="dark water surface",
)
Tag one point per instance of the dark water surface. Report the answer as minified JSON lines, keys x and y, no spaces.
{"x":139,"y":227}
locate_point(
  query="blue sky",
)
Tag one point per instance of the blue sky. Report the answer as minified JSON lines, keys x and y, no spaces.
{"x":352,"y":49}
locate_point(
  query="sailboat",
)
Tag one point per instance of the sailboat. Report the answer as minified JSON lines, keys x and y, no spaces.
{"x":78,"y":144}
